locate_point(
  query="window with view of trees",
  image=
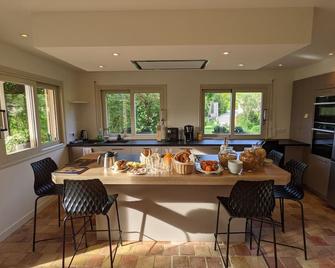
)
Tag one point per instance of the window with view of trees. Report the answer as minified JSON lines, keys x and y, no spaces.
{"x":22,"y":110}
{"x":233,"y":112}
{"x":144,"y":105}
{"x":47,"y":114}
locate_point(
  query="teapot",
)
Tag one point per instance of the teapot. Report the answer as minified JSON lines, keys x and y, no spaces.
{"x":109,"y":159}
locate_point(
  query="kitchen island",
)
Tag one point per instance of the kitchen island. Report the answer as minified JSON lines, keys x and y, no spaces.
{"x":170,"y":207}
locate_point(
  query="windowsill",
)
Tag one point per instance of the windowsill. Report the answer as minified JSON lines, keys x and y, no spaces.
{"x":42,"y":151}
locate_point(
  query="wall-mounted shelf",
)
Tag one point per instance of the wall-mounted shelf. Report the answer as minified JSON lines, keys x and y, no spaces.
{"x":78,"y":102}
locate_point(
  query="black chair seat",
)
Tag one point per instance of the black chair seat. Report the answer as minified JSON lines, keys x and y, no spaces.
{"x":50,"y":189}
{"x":288,"y":192}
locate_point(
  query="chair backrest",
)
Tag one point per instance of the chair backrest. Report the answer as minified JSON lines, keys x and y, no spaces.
{"x":276,"y":157}
{"x":42,"y":175}
{"x":252,"y":199}
{"x":84,"y":197}
{"x":297,"y":170}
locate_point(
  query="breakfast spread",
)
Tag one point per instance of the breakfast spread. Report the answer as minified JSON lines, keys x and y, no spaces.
{"x":120,"y":165}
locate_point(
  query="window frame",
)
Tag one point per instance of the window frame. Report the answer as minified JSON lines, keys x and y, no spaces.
{"x":7,"y":159}
{"x":132,"y":90}
{"x":233,"y":89}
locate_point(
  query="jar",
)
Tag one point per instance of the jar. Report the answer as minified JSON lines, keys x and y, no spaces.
{"x":260,"y":155}
{"x":249,"y":159}
{"x":226,"y":153}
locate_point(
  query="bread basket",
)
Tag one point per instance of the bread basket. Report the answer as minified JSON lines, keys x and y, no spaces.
{"x":183,"y":168}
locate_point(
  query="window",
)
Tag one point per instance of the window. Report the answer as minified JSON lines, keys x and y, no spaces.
{"x":15,"y":100}
{"x":233,"y":112}
{"x":47,"y":111}
{"x":31,"y":116}
{"x":132,"y":111}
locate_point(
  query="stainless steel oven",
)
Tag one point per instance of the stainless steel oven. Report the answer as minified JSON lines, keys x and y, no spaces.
{"x":324,"y":109}
{"x":323,"y":139}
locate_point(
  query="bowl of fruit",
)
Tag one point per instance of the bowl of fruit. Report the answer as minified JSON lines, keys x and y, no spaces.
{"x":209,"y":167}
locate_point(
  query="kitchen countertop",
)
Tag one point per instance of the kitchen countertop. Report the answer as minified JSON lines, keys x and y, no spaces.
{"x":280,"y":176}
{"x":204,"y":142}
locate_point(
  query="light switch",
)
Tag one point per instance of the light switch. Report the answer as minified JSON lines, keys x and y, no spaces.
{"x":306,"y":116}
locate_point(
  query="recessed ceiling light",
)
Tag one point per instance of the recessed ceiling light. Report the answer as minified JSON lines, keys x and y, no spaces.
{"x":24,"y":35}
{"x":331,"y":54}
{"x":101,"y":66}
{"x":116,"y":54}
{"x":241,"y":65}
{"x":226,"y":53}
{"x":280,"y":65}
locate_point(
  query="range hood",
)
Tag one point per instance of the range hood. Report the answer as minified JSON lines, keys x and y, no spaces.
{"x":169,"y":64}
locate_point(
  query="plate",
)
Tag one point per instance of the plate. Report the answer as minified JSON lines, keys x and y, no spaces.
{"x":138,"y":171}
{"x":119,"y":171}
{"x":198,"y":168}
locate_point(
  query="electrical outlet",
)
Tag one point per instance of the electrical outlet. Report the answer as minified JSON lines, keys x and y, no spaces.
{"x":306,"y":116}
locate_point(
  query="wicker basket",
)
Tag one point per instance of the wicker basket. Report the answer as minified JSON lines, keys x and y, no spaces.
{"x":183,"y":168}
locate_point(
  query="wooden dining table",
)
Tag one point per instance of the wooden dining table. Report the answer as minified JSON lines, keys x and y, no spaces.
{"x":167,"y":206}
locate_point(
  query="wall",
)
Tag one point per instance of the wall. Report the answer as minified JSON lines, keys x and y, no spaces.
{"x":322,"y":67}
{"x":183,"y":93}
{"x":16,"y":182}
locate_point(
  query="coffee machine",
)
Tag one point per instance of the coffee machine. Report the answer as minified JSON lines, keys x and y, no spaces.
{"x":189,"y":133}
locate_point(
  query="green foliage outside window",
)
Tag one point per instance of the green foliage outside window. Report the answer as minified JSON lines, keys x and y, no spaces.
{"x":147,"y":110}
{"x":118,"y":112}
{"x":16,"y":105}
{"x":43,"y":114}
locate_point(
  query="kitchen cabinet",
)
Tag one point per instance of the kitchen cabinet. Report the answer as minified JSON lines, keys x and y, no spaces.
{"x":317,"y":174}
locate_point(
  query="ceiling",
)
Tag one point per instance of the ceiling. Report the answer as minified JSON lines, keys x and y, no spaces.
{"x":17,"y":16}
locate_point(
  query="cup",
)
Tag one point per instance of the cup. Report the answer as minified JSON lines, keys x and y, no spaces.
{"x":235,"y":166}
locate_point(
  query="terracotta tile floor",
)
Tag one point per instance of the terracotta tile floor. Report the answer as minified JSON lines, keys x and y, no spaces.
{"x":15,"y":251}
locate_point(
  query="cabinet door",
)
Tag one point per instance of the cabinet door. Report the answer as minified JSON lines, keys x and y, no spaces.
{"x":317,"y":174}
{"x":206,"y":150}
{"x":139,"y":149}
{"x":121,"y":149}
{"x":302,"y":112}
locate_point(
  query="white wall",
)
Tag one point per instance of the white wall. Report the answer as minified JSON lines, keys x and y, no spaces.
{"x":16,"y":182}
{"x":183,"y":93}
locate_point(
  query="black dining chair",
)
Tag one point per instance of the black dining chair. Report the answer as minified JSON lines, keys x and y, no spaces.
{"x":83,"y":199}
{"x":252,"y":200}
{"x":44,"y":186}
{"x":294,"y":191}
{"x":277,"y":157}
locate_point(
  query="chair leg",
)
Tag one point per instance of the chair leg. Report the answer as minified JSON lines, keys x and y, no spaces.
{"x":282,"y":214}
{"x":118,"y":221}
{"x":227,"y":250}
{"x":217,"y":227}
{"x":64,"y":235}
{"x":58,"y":210}
{"x":303,"y":227}
{"x":34,"y":227}
{"x":73,"y":234}
{"x":85,"y":231}
{"x":110,"y":241}
{"x":274,"y":242}
{"x":259,"y":238}
{"x":91,"y":223}
{"x":250,"y":231}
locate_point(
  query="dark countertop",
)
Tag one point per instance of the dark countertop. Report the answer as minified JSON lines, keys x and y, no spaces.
{"x":204,"y":142}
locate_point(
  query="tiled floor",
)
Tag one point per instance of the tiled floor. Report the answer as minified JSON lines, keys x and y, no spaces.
{"x":15,"y":251}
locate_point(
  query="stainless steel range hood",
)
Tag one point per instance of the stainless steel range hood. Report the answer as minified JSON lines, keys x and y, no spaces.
{"x":169,"y":64}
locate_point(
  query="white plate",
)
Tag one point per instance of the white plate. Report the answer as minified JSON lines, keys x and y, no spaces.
{"x":119,"y":171}
{"x":198,"y":168}
{"x":140,"y":171}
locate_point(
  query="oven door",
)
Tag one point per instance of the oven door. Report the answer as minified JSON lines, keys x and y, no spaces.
{"x":322,"y":143}
{"x":325,"y":112}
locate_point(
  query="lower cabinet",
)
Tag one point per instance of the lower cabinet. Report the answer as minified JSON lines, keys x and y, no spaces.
{"x":317,"y":174}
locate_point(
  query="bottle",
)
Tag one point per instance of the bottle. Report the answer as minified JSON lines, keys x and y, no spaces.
{"x":163,"y":130}
{"x":159,"y":133}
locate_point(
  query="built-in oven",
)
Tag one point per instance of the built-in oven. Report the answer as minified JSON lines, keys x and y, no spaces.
{"x":324,"y":109}
{"x":323,"y":139}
